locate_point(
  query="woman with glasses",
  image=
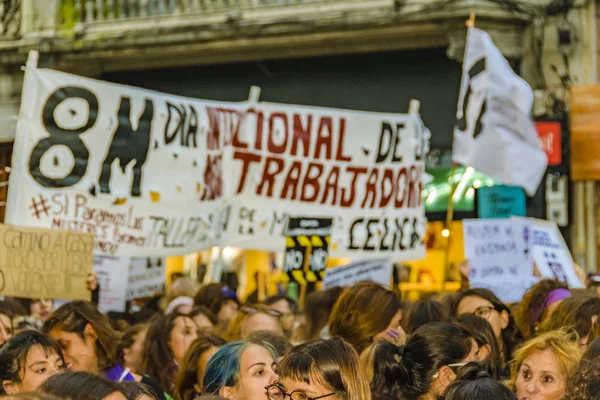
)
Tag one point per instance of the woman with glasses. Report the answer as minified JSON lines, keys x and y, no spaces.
{"x":485,"y":304}
{"x":321,"y":369}
{"x":426,"y":366}
{"x":253,"y":319}
{"x":241,"y":371}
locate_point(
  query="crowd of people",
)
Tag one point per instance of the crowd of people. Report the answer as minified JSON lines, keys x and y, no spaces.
{"x":357,"y":343}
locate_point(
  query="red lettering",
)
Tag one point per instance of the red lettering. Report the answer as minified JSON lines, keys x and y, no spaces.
{"x":259,"y":129}
{"x":339,"y":154}
{"x":271,"y":145}
{"x":414,"y":188}
{"x":247,"y":159}
{"x":347,"y":201}
{"x":371,"y":188}
{"x":388,"y":176}
{"x":268,"y":176}
{"x":331,"y":184}
{"x":291,"y":181}
{"x":80,"y":203}
{"x":401,"y":188}
{"x":213,"y":180}
{"x":301,"y":135}
{"x":213,"y":135}
{"x":324,"y":140}
{"x":311,"y":180}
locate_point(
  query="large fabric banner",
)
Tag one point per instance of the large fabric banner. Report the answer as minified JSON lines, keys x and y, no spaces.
{"x":138,"y":169}
{"x":151,"y":174}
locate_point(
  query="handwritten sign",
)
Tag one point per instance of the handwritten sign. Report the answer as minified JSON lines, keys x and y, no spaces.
{"x":499,"y":253}
{"x":112,"y":275}
{"x":501,"y":202}
{"x":41,"y":263}
{"x":378,"y":271}
{"x":146,"y":277}
{"x":551,"y":254}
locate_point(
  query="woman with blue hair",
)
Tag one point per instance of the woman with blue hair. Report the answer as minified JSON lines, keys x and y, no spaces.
{"x":241,"y":371}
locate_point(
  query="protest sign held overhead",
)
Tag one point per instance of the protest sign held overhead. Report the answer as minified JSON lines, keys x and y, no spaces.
{"x":500,"y":256}
{"x":378,"y":271}
{"x":42,"y":263}
{"x":112,"y":273}
{"x":150,"y":174}
{"x":146,"y":277}
{"x":307,"y":242}
{"x":494,"y":132}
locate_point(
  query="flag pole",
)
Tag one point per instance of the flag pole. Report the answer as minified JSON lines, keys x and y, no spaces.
{"x":450,"y":209}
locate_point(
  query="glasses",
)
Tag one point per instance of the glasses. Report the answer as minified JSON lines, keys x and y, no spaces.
{"x":484,"y":312}
{"x":252,"y":310}
{"x":452,"y":366}
{"x":276,"y":392}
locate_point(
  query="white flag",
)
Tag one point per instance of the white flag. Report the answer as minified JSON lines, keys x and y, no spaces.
{"x":494,"y":132}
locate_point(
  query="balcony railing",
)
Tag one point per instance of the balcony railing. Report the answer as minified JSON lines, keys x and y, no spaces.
{"x":10,"y":19}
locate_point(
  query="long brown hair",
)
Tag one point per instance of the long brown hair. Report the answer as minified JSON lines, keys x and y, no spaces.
{"x":333,"y":364}
{"x":531,"y":310}
{"x":188,"y":373}
{"x":317,"y":310}
{"x":74,"y":317}
{"x":354,"y":318}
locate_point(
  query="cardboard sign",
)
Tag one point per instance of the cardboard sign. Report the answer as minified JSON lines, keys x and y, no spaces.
{"x":307,"y":245}
{"x":550,"y":134}
{"x":552,"y":256}
{"x":499,"y":254}
{"x":42,"y":263}
{"x":112,"y":275}
{"x":378,"y":271}
{"x":501,"y":202}
{"x":146,"y":277}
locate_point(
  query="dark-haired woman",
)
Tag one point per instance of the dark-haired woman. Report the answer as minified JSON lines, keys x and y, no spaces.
{"x":426,"y":366}
{"x":82,"y":386}
{"x":485,"y":304}
{"x":167,"y":342}
{"x":189,"y":380}
{"x":221,"y":300}
{"x":27,"y":360}
{"x":475,"y":383}
{"x":489,"y":349}
{"x":89,"y":343}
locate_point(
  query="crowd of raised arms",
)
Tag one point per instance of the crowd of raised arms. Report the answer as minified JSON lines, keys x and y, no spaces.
{"x":357,"y":343}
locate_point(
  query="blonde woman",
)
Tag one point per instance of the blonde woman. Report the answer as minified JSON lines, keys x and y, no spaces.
{"x":542,"y":366}
{"x":321,"y":369}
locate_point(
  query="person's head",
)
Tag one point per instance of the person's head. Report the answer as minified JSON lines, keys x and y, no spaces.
{"x":474,"y":382}
{"x":241,"y":371}
{"x":167,"y":341}
{"x":321,"y":368}
{"x":538,"y":303}
{"x":487,"y":343}
{"x":205,"y":320}
{"x":254,"y":318}
{"x":279,"y":342}
{"x":426,"y":365}
{"x":542,"y":366}
{"x":423,"y":312}
{"x":287,"y":307}
{"x":131,"y":347}
{"x":585,"y":383}
{"x":592,"y":353}
{"x":85,"y":336}
{"x":137,"y":391}
{"x":27,"y":360}
{"x":219,"y":299}
{"x":577,"y":315}
{"x":6,"y":323}
{"x":180,"y":305}
{"x":184,"y":287}
{"x":82,"y":386}
{"x":363,"y":312}
{"x":189,"y":380}
{"x":317,"y":310}
{"x":31,"y":396}
{"x":485,"y":304}
{"x":40,"y":309}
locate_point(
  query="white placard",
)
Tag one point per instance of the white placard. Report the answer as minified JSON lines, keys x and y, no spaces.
{"x":147,"y":277}
{"x":112,"y":273}
{"x":500,"y":255}
{"x":378,"y":271}
{"x":552,"y":256}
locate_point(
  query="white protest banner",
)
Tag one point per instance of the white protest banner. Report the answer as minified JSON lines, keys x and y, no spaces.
{"x":138,"y":169}
{"x":494,"y":132}
{"x":146,"y":277}
{"x":42,"y":263}
{"x":362,"y":169}
{"x":551,"y":254}
{"x":112,"y":273}
{"x":499,"y":254}
{"x":378,"y":271}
